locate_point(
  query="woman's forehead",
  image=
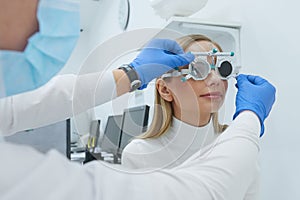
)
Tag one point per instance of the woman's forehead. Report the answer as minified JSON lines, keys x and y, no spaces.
{"x":201,"y":46}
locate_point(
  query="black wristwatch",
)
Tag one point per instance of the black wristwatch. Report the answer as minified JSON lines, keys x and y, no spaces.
{"x":135,"y":82}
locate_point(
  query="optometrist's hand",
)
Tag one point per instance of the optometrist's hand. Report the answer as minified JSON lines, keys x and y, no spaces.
{"x":255,"y":94}
{"x":158,"y":57}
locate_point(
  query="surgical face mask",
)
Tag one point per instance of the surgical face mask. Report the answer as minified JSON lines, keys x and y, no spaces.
{"x":47,"y":51}
{"x":204,"y":62}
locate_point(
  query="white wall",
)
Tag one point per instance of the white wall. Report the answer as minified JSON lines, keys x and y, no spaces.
{"x":269,"y":37}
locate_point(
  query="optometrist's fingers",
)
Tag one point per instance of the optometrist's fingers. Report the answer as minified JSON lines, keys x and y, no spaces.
{"x":256,"y":94}
{"x":169,"y":46}
{"x":250,"y":79}
{"x":240,"y":80}
{"x":182,"y":59}
{"x":256,"y":80}
{"x":159,"y":57}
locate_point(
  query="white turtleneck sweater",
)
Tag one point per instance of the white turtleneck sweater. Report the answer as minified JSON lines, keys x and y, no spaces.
{"x":177,"y":145}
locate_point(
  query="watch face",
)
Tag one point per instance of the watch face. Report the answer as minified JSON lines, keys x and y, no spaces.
{"x":135,"y":85}
{"x":124,"y":13}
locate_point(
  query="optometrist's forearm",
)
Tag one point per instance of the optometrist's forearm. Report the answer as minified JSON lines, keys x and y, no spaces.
{"x":62,"y":97}
{"x":122,"y":82}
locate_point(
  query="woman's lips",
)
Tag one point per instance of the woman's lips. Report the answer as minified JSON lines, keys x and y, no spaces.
{"x":212,"y":95}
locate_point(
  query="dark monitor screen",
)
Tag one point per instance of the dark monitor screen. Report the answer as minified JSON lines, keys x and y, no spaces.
{"x":111,"y":136}
{"x":135,"y":122}
{"x":54,"y":136}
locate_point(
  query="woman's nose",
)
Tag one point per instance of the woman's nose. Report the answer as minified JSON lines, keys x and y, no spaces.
{"x":212,"y":78}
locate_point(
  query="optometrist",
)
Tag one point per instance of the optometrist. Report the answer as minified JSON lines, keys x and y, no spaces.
{"x":221,"y":173}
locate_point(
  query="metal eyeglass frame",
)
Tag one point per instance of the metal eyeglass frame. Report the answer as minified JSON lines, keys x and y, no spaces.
{"x":191,"y":70}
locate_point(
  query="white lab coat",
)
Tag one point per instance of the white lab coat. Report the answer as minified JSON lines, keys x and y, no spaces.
{"x":27,"y":174}
{"x":61,"y":98}
{"x":222,"y":173}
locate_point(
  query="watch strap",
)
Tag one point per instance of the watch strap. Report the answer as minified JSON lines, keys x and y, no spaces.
{"x":133,"y":77}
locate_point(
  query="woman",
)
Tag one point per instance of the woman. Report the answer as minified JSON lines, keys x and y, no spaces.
{"x":185,"y":117}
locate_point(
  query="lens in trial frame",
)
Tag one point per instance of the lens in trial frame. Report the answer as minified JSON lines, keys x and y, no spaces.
{"x":225,"y":69}
{"x":200,"y":69}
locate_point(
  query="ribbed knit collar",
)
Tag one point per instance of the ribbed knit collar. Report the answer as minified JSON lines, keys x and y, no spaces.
{"x":181,"y":133}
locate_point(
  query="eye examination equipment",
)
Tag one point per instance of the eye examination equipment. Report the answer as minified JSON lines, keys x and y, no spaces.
{"x":168,"y":8}
{"x":204,"y":62}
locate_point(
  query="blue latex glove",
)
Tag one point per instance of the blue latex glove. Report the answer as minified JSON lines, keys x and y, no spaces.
{"x":255,"y":94}
{"x":158,"y":57}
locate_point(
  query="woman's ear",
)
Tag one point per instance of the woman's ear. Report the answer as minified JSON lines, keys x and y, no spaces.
{"x":163,"y":90}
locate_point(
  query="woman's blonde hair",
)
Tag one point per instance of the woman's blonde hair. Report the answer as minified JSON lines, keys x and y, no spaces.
{"x":163,"y":112}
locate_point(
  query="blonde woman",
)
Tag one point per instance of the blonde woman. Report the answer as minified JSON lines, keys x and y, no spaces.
{"x":185,"y":117}
{"x":186,"y":121}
